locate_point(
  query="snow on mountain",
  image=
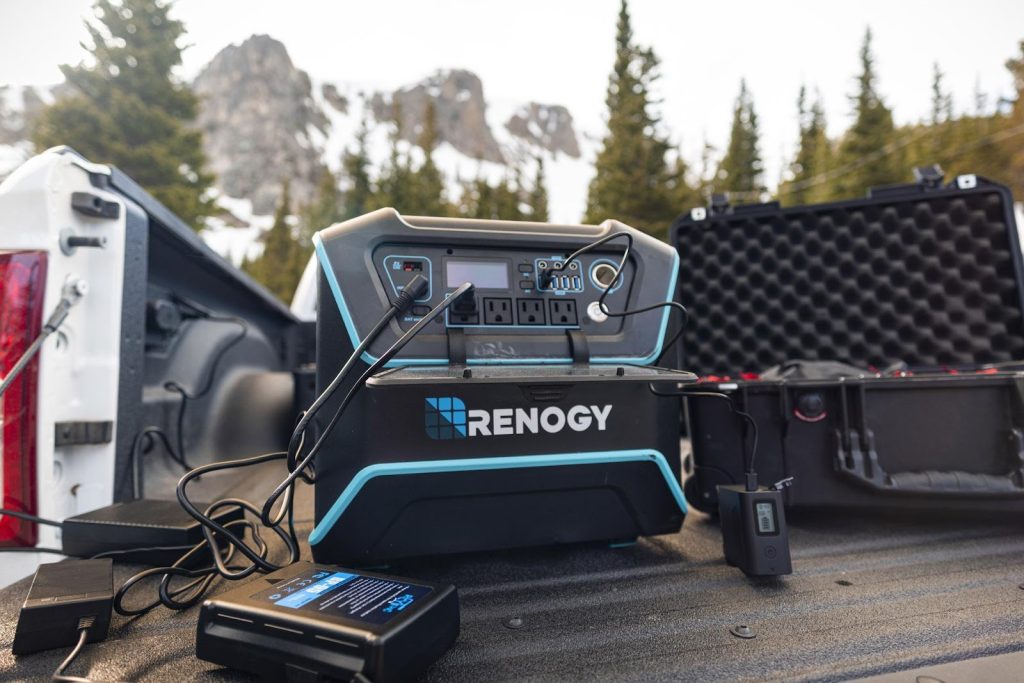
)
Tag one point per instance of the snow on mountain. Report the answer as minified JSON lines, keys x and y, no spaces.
{"x":266,"y":121}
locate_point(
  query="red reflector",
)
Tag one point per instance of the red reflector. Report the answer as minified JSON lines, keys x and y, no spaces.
{"x":22,"y":285}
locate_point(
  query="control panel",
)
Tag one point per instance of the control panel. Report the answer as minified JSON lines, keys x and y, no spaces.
{"x":513,"y":288}
{"x":526,"y":297}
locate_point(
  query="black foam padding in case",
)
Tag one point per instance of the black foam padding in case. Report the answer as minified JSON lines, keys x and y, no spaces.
{"x":931,"y":279}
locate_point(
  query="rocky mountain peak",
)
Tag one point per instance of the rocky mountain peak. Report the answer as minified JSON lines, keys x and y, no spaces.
{"x":546,"y":125}
{"x":260,"y":123}
{"x":458,"y":97}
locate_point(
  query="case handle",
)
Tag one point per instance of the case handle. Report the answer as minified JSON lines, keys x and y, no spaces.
{"x":861,"y":465}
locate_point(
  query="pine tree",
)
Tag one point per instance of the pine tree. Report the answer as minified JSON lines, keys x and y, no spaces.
{"x":501,"y":201}
{"x":359,"y":194}
{"x":741,"y":168}
{"x":539,"y":195}
{"x":682,"y":194}
{"x":280,"y":265}
{"x":324,"y":211}
{"x":1013,"y":126}
{"x":427,"y":192}
{"x":813,"y":155}
{"x":868,"y":153}
{"x":128,"y":109}
{"x":395,"y":182}
{"x":631,"y":173}
{"x":942,"y":101}
{"x":935,"y":148}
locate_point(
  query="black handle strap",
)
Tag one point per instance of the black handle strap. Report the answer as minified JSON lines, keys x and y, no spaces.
{"x":578,"y":347}
{"x":456,"y":346}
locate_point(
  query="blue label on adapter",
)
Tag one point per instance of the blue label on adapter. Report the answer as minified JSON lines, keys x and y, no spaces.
{"x":342,"y":594}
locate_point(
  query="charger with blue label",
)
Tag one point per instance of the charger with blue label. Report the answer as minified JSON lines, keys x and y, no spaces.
{"x":314,"y":622}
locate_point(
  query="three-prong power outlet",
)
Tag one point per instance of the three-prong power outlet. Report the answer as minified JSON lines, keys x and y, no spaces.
{"x":498,"y":311}
{"x":531,"y":312}
{"x":563,"y":312}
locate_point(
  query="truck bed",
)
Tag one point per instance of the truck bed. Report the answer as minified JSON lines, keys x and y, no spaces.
{"x":869,"y":595}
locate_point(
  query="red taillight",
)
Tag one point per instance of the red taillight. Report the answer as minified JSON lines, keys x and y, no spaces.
{"x":22,"y":285}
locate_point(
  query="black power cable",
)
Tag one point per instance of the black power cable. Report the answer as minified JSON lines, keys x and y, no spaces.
{"x":29,"y":517}
{"x":224,"y":541}
{"x":611,"y":285}
{"x":372,"y":369}
{"x":84,"y":624}
{"x":748,"y":458}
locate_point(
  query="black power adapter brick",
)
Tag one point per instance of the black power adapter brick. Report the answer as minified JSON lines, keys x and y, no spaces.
{"x":314,"y":622}
{"x":754,"y":534}
{"x":65,"y":598}
{"x":156,"y":532}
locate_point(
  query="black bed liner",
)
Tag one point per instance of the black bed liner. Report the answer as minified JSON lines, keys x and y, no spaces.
{"x":868,"y":595}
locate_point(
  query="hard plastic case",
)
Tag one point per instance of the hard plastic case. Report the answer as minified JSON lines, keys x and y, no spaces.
{"x":925,"y":277}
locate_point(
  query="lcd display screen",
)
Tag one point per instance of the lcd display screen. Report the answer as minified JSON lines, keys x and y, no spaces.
{"x":765,"y":512}
{"x":483,"y":274}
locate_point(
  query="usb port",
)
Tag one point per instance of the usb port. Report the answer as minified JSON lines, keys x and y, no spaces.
{"x":576,"y":283}
{"x":412,"y":266}
{"x":563,"y":282}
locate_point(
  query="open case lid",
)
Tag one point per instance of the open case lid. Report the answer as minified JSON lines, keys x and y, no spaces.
{"x":930,"y":276}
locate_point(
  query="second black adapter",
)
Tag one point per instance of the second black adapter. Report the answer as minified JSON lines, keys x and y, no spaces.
{"x":63,"y":598}
{"x":142,"y":527}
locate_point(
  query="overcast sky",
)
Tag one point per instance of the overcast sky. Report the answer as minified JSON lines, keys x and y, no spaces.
{"x":561,"y":52}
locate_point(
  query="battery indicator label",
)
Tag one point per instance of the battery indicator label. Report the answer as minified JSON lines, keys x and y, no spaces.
{"x":346,"y":595}
{"x":765,"y":512}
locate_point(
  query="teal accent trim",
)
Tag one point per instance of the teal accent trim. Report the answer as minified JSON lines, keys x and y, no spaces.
{"x":346,"y":317}
{"x":339,"y":298}
{"x":624,"y":544}
{"x":390,"y":469}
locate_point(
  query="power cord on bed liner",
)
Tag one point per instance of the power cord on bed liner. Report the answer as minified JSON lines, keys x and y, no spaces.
{"x":224,"y":541}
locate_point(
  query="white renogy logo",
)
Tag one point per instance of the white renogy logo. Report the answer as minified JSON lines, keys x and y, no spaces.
{"x":509,"y":421}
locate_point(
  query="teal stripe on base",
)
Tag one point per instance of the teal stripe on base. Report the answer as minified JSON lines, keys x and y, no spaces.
{"x":388,"y":469}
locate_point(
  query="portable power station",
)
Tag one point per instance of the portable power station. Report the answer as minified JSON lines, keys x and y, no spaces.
{"x":522,"y":416}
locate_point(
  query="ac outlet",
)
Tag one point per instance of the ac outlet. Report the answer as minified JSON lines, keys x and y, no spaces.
{"x":563,"y":312}
{"x":531,"y":312}
{"x":498,"y":311}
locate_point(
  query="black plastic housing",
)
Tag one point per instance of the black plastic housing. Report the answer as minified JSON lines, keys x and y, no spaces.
{"x":920,"y":276}
{"x":391,"y":485}
{"x":61,"y":594}
{"x":243,"y":630}
{"x":141,"y":524}
{"x":755,"y":538}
